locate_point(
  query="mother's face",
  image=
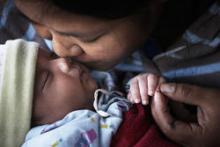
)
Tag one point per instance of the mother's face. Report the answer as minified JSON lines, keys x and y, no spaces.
{"x":96,"y":42}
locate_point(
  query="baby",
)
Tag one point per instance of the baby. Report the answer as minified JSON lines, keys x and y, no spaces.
{"x":55,"y":94}
{"x":59,"y":99}
{"x":80,"y":128}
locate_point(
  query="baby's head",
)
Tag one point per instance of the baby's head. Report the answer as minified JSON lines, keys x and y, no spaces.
{"x":61,"y":86}
{"x":36,"y":88}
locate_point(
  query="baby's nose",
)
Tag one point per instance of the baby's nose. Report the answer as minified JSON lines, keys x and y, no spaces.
{"x":64,"y":65}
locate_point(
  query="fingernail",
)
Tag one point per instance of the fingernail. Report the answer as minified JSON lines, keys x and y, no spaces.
{"x":144,"y":102}
{"x":167,"y":88}
{"x":137,"y":101}
{"x":151,"y":93}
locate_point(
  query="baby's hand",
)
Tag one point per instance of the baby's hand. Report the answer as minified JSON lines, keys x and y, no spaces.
{"x":143,"y":86}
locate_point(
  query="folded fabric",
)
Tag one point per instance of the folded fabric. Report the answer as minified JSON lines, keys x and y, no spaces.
{"x":83,"y":128}
{"x":139,"y":130}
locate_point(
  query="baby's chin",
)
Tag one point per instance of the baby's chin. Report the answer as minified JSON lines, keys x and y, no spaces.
{"x":91,"y":83}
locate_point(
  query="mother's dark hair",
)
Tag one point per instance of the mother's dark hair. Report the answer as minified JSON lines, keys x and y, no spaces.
{"x":107,"y":9}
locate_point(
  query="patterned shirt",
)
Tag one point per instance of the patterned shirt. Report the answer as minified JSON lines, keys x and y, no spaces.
{"x":83,"y":128}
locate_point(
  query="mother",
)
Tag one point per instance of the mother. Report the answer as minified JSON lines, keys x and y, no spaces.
{"x":102,"y":33}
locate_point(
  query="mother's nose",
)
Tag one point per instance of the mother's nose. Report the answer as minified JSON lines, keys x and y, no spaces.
{"x":71,"y":51}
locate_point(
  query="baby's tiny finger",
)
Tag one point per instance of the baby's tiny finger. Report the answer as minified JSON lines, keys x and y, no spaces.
{"x":152,"y":84}
{"x":134,"y":89}
{"x":143,"y":89}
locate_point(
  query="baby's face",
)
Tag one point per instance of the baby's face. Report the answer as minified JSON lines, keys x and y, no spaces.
{"x":60,"y":87}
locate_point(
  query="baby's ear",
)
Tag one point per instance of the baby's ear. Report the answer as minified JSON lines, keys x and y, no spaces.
{"x":53,"y":55}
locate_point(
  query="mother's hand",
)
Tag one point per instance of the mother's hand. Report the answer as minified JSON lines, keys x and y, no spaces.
{"x":206,"y":131}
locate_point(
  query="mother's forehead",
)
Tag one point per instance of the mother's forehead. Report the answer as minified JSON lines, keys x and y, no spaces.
{"x":45,"y":12}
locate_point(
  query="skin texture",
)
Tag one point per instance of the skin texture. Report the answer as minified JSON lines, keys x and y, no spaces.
{"x":61,"y":86}
{"x":143,"y":86}
{"x":106,"y":43}
{"x":98,"y":43}
{"x":205,"y":130}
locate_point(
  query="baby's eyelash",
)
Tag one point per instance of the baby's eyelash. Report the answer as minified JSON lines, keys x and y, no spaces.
{"x":53,"y":55}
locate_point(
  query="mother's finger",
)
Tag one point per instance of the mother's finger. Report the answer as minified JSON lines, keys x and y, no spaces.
{"x":177,"y":131}
{"x":186,"y":93}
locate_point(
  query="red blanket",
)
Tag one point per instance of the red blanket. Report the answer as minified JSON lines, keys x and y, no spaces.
{"x":139,"y":130}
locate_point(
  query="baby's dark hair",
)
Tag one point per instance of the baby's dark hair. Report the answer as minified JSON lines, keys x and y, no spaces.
{"x":107,"y":9}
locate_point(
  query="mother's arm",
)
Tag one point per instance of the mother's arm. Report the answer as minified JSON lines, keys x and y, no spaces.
{"x":205,"y":132}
